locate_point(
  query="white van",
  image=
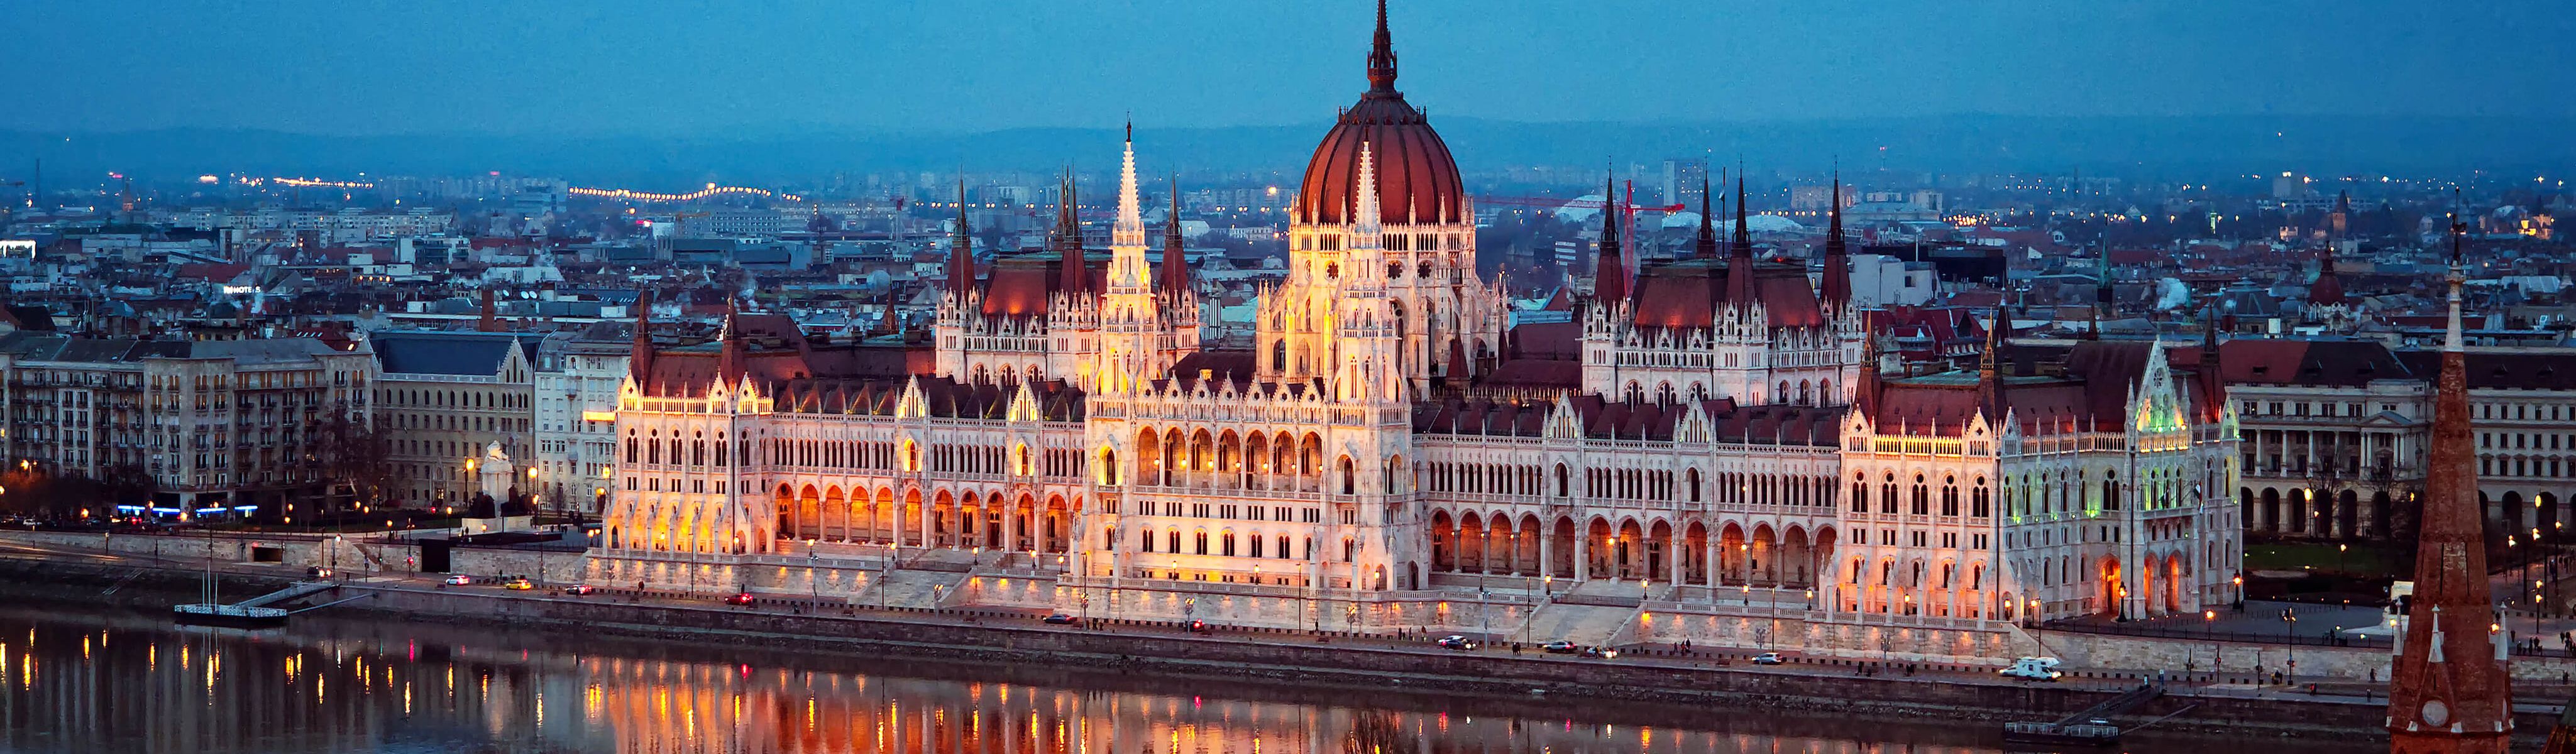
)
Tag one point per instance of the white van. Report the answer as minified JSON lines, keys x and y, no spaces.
{"x":2033,"y":668}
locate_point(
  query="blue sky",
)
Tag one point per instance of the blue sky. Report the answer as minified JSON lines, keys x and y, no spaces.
{"x":703,"y":68}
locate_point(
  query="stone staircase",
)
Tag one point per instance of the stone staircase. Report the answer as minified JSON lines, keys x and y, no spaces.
{"x":1593,"y":614}
{"x":913,"y":589}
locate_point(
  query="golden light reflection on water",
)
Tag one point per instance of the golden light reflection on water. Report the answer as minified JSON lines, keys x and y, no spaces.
{"x":672,"y":698}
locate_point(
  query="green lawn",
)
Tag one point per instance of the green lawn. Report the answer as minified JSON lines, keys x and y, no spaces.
{"x":2358,"y":560}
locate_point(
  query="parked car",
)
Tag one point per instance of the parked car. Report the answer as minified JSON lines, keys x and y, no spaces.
{"x":1060,"y":619}
{"x":1559,"y":647}
{"x":459,"y":580}
{"x":581,"y":589}
{"x":1768,"y":658}
{"x":1455,"y":641}
{"x":317,"y":572}
{"x":520,"y":583}
{"x":738,"y":598}
{"x":1198,"y":626}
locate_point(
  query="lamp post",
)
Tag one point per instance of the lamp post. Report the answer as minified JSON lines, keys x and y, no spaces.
{"x":813,"y":584}
{"x":2209,"y":628}
{"x":2291,"y":616}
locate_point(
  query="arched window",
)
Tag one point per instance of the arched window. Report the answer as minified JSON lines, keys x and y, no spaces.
{"x":1173,"y":538}
{"x":1145,"y":541}
{"x":1922,"y":496}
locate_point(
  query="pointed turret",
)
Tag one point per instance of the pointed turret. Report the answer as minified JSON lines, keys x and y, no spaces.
{"x":1366,"y":222}
{"x":2447,"y":691}
{"x":731,"y":356}
{"x":1990,"y":383}
{"x":1176,"y":271}
{"x":639,"y":356}
{"x":2213,"y":376}
{"x":1381,"y":60}
{"x":1865,"y":390}
{"x":2101,"y":294}
{"x":1610,"y":264}
{"x":1835,"y":288}
{"x":1739,"y":257}
{"x":1072,"y":274}
{"x":1127,"y":266}
{"x":961,"y":250}
{"x":1704,"y":245}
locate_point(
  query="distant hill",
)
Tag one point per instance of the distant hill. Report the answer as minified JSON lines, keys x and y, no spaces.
{"x":2150,"y":148}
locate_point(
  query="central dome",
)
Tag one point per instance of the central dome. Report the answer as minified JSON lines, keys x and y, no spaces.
{"x":1417,"y":181}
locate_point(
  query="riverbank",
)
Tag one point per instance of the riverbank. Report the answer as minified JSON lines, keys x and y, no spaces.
{"x":1281,"y":658}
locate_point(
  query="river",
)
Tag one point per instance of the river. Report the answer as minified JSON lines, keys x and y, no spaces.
{"x":87,"y":681}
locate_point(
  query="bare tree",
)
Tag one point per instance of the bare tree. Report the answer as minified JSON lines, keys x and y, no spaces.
{"x":357,"y":457}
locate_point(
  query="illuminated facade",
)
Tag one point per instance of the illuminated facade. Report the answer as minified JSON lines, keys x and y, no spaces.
{"x":1714,"y":434}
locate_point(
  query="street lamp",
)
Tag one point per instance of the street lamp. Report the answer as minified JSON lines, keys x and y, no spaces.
{"x":2291,"y":615}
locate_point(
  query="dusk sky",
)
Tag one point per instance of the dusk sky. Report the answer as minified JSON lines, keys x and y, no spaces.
{"x":703,"y":68}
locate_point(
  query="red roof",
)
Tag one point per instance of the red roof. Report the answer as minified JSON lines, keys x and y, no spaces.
{"x":1686,"y":294}
{"x":1416,"y":178}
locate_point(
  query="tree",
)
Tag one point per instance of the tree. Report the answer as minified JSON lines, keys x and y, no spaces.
{"x":357,"y":458}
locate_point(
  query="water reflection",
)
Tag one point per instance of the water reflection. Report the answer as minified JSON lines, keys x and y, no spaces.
{"x":98,"y":681}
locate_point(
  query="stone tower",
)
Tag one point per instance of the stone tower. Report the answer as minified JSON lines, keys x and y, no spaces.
{"x":2447,"y":691}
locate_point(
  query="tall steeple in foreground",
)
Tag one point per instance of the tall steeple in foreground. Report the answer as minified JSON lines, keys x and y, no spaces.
{"x":2447,"y":690}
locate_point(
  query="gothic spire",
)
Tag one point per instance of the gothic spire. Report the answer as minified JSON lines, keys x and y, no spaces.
{"x":961,"y":249}
{"x":1837,"y":274}
{"x":2447,"y":690}
{"x":639,"y":356}
{"x":1072,"y":273}
{"x":731,"y":360}
{"x":1610,"y":264}
{"x":1176,"y":273}
{"x":1743,"y":239}
{"x":1381,"y":59}
{"x":1739,"y":260}
{"x":1704,"y":245}
{"x":1990,"y":386}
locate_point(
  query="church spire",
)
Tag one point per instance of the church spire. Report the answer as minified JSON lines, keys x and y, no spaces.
{"x":1743,"y":239}
{"x":1127,"y":266}
{"x":1704,"y":245}
{"x":961,"y":249}
{"x":639,"y":356}
{"x":1381,"y":59}
{"x":1364,"y":213}
{"x":1610,"y":264}
{"x":1176,"y":273}
{"x":731,"y":360}
{"x":1739,"y":259}
{"x":2447,"y":691}
{"x":1990,"y":384}
{"x":1072,"y":274}
{"x":1837,"y":275}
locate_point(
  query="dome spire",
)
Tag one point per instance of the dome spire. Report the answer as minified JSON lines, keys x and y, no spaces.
{"x":1381,"y":60}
